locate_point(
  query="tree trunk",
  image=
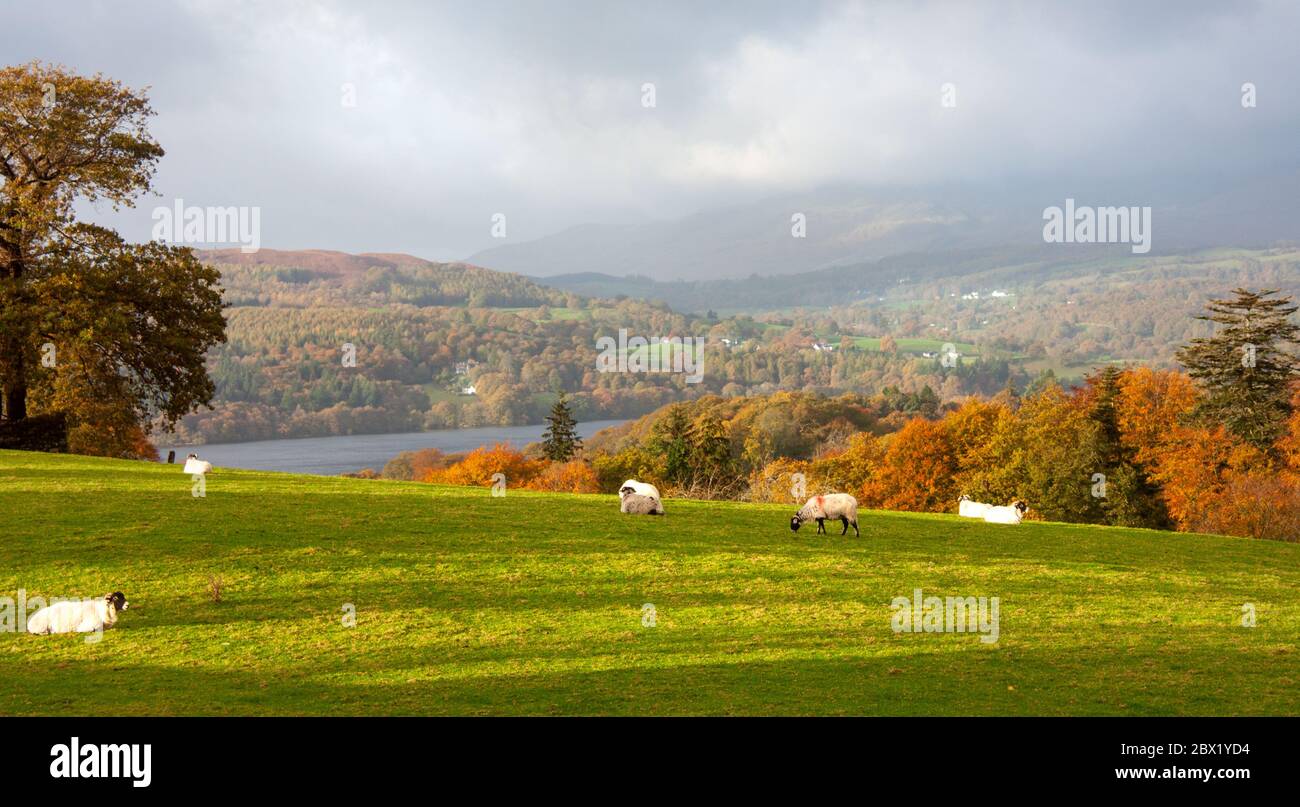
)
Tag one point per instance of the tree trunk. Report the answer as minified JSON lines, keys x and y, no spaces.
{"x":14,"y":400}
{"x":15,"y":395}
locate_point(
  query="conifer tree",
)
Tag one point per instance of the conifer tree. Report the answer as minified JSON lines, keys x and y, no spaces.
{"x":1244,"y":369}
{"x":710,"y":448}
{"x":560,"y":441}
{"x":670,"y":439}
{"x":1126,"y":495}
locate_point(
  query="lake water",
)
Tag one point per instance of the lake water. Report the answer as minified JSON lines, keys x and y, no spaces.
{"x":330,"y":456}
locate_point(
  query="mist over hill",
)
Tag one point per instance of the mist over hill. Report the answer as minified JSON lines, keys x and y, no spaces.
{"x":845,"y":226}
{"x":841,"y":226}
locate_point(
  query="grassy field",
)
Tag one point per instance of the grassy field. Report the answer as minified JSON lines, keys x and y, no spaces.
{"x":533,"y":604}
{"x":913,"y":345}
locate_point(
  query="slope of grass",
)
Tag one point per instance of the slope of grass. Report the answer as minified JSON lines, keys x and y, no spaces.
{"x":533,"y":604}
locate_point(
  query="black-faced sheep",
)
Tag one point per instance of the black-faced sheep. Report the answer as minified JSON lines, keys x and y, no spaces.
{"x":834,"y":506}
{"x":194,"y":465}
{"x":1010,"y":514}
{"x":78,"y":616}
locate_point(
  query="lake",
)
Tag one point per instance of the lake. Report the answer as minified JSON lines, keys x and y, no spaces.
{"x":330,"y":456}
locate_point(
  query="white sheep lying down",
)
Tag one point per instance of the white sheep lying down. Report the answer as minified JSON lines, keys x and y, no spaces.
{"x":78,"y":616}
{"x":641,"y":488}
{"x":638,"y":505}
{"x":640,"y":498}
{"x":834,"y":506}
{"x":970,"y":509}
{"x":1008,"y":514}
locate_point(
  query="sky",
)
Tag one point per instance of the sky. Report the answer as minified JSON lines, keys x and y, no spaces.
{"x":538,"y":111}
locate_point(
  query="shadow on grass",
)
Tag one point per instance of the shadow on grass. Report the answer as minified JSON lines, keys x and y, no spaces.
{"x":967,"y":682}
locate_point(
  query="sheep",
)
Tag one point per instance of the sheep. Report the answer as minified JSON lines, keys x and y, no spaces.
{"x":194,"y":465}
{"x":970,"y":509}
{"x":643,"y":488}
{"x":840,"y":506}
{"x":78,"y":616}
{"x":639,"y":505}
{"x":1008,"y":514}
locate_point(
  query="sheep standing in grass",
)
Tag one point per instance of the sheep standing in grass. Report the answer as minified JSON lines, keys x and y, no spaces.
{"x":970,"y":509}
{"x":834,"y":506}
{"x":639,"y":505}
{"x":1010,"y":514}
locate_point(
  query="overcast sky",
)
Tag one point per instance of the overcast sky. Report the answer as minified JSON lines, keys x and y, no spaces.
{"x":535,"y":110}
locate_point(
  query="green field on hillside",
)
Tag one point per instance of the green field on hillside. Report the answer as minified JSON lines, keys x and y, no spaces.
{"x":467,"y":603}
{"x":914,"y":345}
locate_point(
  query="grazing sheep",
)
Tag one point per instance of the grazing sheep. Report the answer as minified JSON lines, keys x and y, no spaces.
{"x":840,"y":506}
{"x":78,"y":616}
{"x":194,"y":465}
{"x":970,"y":509}
{"x":639,"y":505}
{"x":642,"y":488}
{"x":1009,"y":514}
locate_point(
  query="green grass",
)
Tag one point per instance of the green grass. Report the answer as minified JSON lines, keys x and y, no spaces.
{"x":555,"y":315}
{"x":665,"y":350}
{"x":532,"y":604}
{"x":914,"y":345}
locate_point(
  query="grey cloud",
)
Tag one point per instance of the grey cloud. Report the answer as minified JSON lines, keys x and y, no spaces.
{"x":532,"y":109}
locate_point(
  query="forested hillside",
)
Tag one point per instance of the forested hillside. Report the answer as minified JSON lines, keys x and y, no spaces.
{"x":1048,"y":309}
{"x":425,"y":333}
{"x":324,"y":343}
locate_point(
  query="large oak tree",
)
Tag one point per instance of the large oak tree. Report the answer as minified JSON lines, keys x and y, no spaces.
{"x":105,"y":333}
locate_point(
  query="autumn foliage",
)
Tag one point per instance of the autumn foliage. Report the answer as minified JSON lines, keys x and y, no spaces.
{"x":1126,"y":448}
{"x":574,"y":476}
{"x":480,"y":465}
{"x":916,"y":471}
{"x":1123,"y":449}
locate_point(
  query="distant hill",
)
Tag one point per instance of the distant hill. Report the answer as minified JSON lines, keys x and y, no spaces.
{"x":314,"y":278}
{"x":841,"y":285}
{"x":841,"y":226}
{"x":425,"y":332}
{"x":854,"y":226}
{"x":322,"y":261}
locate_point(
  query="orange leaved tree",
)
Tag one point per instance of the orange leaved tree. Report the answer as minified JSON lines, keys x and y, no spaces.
{"x":483,"y":463}
{"x":916,"y":472}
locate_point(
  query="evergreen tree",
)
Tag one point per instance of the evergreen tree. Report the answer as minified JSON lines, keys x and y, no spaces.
{"x":1128,"y":497}
{"x":1106,"y":386}
{"x":560,"y":441}
{"x":1044,"y":380}
{"x":670,"y":439}
{"x":710,"y":448}
{"x":1245,"y":373}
